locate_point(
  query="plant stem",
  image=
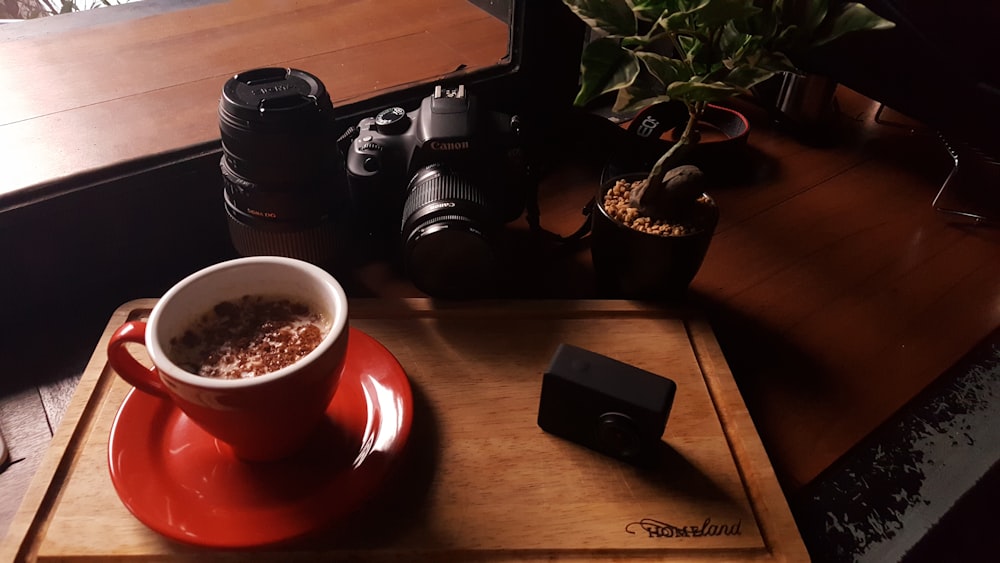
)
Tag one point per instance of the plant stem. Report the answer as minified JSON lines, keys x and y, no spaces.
{"x":655,"y":178}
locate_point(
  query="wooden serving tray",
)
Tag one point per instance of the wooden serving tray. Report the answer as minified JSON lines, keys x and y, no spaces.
{"x":480,"y":480}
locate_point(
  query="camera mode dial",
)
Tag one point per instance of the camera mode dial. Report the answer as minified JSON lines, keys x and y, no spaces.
{"x":392,"y":121}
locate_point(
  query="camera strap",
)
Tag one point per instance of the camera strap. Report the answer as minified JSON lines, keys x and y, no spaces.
{"x":644,"y":129}
{"x":533,"y":216}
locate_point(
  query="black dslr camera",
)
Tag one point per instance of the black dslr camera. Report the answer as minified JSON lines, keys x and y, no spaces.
{"x":443,"y":179}
{"x":437,"y":182}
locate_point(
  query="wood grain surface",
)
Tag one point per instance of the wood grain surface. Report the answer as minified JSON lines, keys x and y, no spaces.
{"x":486,"y":482}
{"x":834,"y":288}
{"x":167,"y":70}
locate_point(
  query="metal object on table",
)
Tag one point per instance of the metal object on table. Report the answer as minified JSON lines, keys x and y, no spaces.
{"x":970,"y":189}
{"x":806,"y":99}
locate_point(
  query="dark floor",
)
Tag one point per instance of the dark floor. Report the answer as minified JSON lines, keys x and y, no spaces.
{"x":924,"y":486}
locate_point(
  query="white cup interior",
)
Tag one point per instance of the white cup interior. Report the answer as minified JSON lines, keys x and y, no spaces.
{"x":198,"y":293}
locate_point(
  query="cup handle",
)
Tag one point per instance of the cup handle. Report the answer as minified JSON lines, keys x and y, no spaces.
{"x":144,"y":378}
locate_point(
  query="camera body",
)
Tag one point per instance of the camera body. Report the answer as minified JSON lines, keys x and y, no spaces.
{"x":432,"y":186}
{"x":448,"y":130}
{"x":443,"y":178}
{"x":604,"y":404}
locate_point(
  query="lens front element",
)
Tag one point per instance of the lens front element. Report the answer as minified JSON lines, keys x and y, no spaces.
{"x":447,"y":228}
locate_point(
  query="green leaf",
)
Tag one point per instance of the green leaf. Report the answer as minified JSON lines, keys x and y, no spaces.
{"x":646,"y":89}
{"x":691,"y":47}
{"x":633,"y":99}
{"x":751,"y":51}
{"x":678,"y":16}
{"x":852,"y":16}
{"x":763,"y":23}
{"x":605,"y":67}
{"x":787,"y":39}
{"x":650,"y":10}
{"x":702,"y":50}
{"x":614,"y":17}
{"x":731,"y":39}
{"x":797,"y":15}
{"x":664,"y":69}
{"x":808,"y":15}
{"x":673,"y":22}
{"x":693,"y":91}
{"x":745,"y":76}
{"x":716,"y":13}
{"x":655,"y":10}
{"x":778,"y":7}
{"x":776,"y":61}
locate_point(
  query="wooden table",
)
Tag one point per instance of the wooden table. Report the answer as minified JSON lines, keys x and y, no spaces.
{"x":835,"y":290}
{"x":94,"y":90}
{"x":94,"y":96}
{"x":483,"y":481}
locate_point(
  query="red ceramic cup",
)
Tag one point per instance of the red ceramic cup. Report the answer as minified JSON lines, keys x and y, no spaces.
{"x":263,"y":418}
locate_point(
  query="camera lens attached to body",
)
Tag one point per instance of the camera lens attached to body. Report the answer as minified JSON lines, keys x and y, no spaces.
{"x":456,"y":174}
{"x":446,"y":232}
{"x":280,"y":182}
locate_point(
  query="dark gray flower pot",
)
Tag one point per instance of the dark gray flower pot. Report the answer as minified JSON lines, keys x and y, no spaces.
{"x":630,"y":264}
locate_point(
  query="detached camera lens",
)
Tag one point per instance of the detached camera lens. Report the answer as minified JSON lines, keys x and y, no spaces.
{"x":447,"y":226}
{"x":278,"y":167}
{"x":618,"y":435}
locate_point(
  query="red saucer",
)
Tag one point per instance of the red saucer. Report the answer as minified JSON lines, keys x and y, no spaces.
{"x":188,"y":486}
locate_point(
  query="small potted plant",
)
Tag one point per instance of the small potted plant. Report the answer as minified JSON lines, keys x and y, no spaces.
{"x":695,"y":52}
